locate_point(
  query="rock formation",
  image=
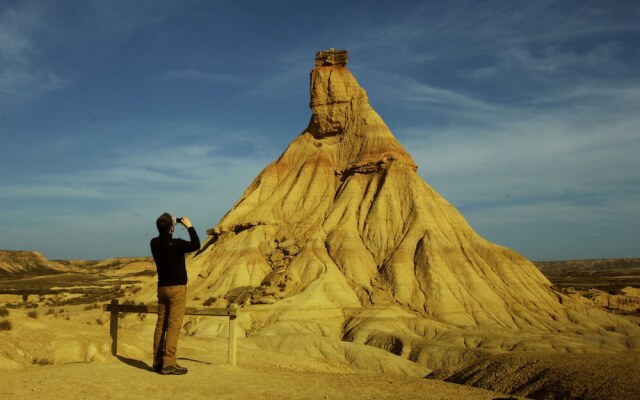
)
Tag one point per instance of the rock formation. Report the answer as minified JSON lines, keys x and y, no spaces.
{"x":341,"y":222}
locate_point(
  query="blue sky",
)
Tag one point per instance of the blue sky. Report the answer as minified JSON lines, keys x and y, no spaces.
{"x":523,"y":114}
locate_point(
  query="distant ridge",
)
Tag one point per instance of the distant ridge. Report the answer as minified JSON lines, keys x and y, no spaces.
{"x":19,"y":264}
{"x":16,"y":264}
{"x":610,"y":275}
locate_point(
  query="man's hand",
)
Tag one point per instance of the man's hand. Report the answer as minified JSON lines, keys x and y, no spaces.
{"x":186,"y":222}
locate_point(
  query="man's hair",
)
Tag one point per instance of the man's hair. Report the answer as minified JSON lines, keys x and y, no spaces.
{"x":164,"y":223}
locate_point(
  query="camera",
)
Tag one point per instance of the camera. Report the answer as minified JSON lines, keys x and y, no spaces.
{"x":179,"y":220}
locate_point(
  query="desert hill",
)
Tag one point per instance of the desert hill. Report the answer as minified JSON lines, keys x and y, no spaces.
{"x":23,"y":264}
{"x":17,"y":264}
{"x":340,"y":238}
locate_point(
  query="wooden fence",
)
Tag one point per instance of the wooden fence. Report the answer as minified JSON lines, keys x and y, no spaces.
{"x":116,"y":308}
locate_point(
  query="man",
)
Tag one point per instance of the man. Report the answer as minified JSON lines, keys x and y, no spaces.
{"x":168,"y":254}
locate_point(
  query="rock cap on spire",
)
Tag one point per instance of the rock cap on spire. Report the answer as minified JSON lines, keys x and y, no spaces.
{"x":332,"y":57}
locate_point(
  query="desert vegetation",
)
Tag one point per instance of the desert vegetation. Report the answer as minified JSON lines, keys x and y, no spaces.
{"x":5,"y":325}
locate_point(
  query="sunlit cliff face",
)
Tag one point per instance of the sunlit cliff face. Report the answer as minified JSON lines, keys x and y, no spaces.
{"x":329,"y":120}
{"x":336,"y":99}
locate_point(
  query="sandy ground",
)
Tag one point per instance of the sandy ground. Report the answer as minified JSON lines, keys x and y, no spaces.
{"x":127,"y":378}
{"x":260,"y":374}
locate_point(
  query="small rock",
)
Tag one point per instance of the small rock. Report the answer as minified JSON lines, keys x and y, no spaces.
{"x":292,"y":250}
{"x":263,"y":300}
{"x":277,"y":256}
{"x":286,"y":243}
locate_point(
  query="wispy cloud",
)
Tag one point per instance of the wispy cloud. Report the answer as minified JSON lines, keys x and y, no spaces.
{"x":565,"y":167}
{"x":23,"y":76}
{"x":408,"y":90}
{"x":196,"y":75}
{"x":48,"y":191}
{"x":121,"y":197}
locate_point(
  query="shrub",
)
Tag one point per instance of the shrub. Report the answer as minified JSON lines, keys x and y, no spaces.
{"x":209,"y":302}
{"x":4,"y":312}
{"x":41,"y":361}
{"x":5,"y":325}
{"x":32,"y":314}
{"x":51,"y":311}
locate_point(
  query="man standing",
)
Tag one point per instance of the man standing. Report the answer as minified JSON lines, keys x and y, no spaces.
{"x":168,"y":254}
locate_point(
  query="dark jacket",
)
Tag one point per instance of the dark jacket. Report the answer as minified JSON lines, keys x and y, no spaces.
{"x":168,"y":253}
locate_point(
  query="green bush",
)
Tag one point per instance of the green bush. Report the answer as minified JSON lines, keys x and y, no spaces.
{"x":4,"y":312}
{"x":5,"y":325}
{"x":32,"y":314}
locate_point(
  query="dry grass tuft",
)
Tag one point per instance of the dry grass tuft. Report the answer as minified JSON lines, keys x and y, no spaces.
{"x":5,"y":325}
{"x":41,"y":361}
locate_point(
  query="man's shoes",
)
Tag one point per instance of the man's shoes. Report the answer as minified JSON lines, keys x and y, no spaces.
{"x":174,"y":370}
{"x":157,"y":367}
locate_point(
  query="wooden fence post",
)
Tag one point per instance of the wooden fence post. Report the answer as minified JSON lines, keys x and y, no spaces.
{"x":233,"y":339}
{"x":114,"y":327}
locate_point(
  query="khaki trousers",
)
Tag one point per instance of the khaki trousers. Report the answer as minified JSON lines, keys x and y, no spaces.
{"x":172,"y":301}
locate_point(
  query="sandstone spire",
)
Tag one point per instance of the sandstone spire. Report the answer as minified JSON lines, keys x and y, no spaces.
{"x":342,"y":219}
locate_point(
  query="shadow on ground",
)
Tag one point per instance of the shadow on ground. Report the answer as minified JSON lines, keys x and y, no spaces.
{"x":135,"y":363}
{"x":146,"y":367}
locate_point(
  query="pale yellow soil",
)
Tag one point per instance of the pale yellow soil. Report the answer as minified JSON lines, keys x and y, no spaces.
{"x":313,"y":368}
{"x":127,"y":378}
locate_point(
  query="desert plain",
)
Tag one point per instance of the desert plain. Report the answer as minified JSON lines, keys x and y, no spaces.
{"x":352,"y":278}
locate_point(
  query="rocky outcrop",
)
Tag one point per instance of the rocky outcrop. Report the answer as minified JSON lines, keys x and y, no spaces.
{"x":341,"y":221}
{"x":347,"y":194}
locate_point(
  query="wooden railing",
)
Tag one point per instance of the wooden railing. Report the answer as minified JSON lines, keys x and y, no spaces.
{"x":116,"y":308}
